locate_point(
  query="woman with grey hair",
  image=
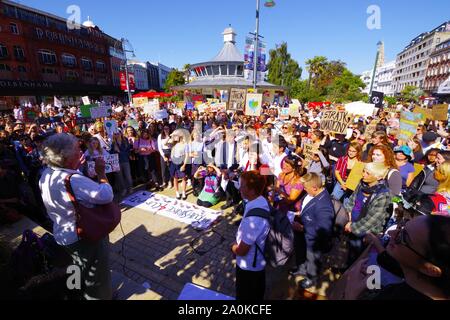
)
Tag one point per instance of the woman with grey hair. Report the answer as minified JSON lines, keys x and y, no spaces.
{"x":63,"y":156}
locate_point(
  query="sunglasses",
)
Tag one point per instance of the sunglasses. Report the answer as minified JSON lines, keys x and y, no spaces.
{"x":401,"y":239}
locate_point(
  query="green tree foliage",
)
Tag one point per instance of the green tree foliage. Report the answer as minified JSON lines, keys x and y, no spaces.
{"x":412,"y":93}
{"x":390,"y":100}
{"x":283,"y":70}
{"x":346,"y":88}
{"x":316,"y":68}
{"x":175,"y":78}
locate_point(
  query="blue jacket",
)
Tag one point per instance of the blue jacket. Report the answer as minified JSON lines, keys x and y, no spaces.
{"x":318,"y":219}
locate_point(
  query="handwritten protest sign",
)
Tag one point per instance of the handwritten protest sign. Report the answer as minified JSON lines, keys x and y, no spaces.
{"x":140,"y":102}
{"x":253,"y":105}
{"x":133,"y":123}
{"x":294,"y":110}
{"x":355,"y":176}
{"x":112,"y":165}
{"x":336,"y":121}
{"x":237,"y":99}
{"x":309,"y":151}
{"x":151,"y":107}
{"x":409,"y":122}
{"x":440,"y":112}
{"x":370,"y":129}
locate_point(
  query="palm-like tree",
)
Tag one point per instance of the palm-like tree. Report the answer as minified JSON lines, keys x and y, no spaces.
{"x":316,"y":67}
{"x":187,"y":71}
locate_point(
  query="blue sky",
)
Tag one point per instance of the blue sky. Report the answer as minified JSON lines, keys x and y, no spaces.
{"x":177,"y":32}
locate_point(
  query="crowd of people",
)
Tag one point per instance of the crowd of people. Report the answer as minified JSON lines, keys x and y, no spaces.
{"x":400,"y":206}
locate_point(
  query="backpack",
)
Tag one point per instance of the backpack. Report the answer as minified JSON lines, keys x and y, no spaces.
{"x":280,"y":240}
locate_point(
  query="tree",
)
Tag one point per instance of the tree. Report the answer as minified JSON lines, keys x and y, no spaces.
{"x":390,"y":100}
{"x":187,"y":72}
{"x":346,"y":88}
{"x":316,"y":67}
{"x":175,"y":78}
{"x":412,"y":93}
{"x":301,"y":92}
{"x":283,"y":70}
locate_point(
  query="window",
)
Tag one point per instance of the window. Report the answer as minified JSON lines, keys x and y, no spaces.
{"x":232,"y":69}
{"x":223,"y":70}
{"x":14,"y":29}
{"x":18,"y":53}
{"x":216,"y":71}
{"x":4,"y":67}
{"x":21,"y":69}
{"x":69,"y":60}
{"x":47,"y":57}
{"x":100,"y":66}
{"x":86,"y":64}
{"x":240,"y":70}
{"x":3,"y":51}
{"x":88,"y":75}
{"x":71,"y":75}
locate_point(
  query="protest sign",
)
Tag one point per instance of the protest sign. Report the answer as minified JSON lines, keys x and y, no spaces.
{"x":426,"y":113}
{"x":181,"y":105}
{"x":417,"y":169}
{"x":151,"y":107}
{"x":100,"y":112}
{"x":112,"y":165}
{"x":133,"y":123}
{"x":161,"y":115}
{"x":111,"y":127}
{"x":336,"y":121}
{"x":297,"y":102}
{"x":82,"y":121}
{"x":140,"y":102}
{"x":294,"y":110}
{"x":212,"y":101}
{"x":57,"y":102}
{"x":309,"y":151}
{"x":184,"y":212}
{"x":219,"y":107}
{"x":370,"y":129}
{"x":440,"y":112}
{"x":409,"y":122}
{"x":284,"y":113}
{"x":253,"y":105}
{"x":355,"y":176}
{"x":237,"y":99}
{"x":86,"y":110}
{"x":86,"y":101}
{"x":377,"y":99}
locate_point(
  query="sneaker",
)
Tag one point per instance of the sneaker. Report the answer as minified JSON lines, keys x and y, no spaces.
{"x":178,"y":196}
{"x":185,"y":197}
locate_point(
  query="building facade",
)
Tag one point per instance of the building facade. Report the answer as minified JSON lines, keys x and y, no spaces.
{"x":140,"y":75}
{"x":438,"y":68}
{"x":412,"y":62}
{"x":41,"y":58}
{"x":383,"y":79}
{"x":157,"y":75}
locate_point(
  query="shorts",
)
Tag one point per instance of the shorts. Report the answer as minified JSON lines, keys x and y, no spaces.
{"x":175,"y":171}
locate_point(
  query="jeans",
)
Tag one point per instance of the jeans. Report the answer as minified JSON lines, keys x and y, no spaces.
{"x":124,"y":182}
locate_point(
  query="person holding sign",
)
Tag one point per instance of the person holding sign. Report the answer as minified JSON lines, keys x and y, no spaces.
{"x":343,"y":168}
{"x":94,"y":151}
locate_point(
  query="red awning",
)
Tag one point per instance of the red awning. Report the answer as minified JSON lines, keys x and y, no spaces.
{"x":315,"y":105}
{"x":152,"y":95}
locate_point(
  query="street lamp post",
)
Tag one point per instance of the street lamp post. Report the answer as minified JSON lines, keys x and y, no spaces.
{"x":268,"y":4}
{"x":123,"y":43}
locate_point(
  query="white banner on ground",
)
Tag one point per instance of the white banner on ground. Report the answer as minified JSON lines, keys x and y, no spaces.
{"x":185,"y":212}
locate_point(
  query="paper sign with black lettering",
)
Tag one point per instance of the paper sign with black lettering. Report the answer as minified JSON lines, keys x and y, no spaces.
{"x":237,"y":99}
{"x":336,"y":121}
{"x":112,"y":165}
{"x":440,"y":112}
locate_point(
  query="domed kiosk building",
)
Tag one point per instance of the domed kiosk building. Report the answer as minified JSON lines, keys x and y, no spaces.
{"x":225,"y":71}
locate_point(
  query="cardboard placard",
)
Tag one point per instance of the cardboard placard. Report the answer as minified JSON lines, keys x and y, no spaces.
{"x":140,"y":102}
{"x":253,"y":104}
{"x":309,"y":151}
{"x":355,"y":176}
{"x":284,"y":113}
{"x":426,"y":113}
{"x":133,"y":123}
{"x":370,"y":129}
{"x":294,"y":110}
{"x":417,"y":169}
{"x":440,"y":112}
{"x":112,"y":165}
{"x":237,"y":99}
{"x":409,"y":122}
{"x":336,"y":121}
{"x":111,"y":127}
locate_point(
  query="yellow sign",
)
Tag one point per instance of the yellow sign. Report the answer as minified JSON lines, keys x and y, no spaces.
{"x":426,"y":113}
{"x":417,"y":169}
{"x":440,"y":112}
{"x":355,"y":176}
{"x":140,"y":102}
{"x":309,"y":151}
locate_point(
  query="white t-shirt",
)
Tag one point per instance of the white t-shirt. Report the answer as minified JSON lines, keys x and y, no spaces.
{"x":253,"y":230}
